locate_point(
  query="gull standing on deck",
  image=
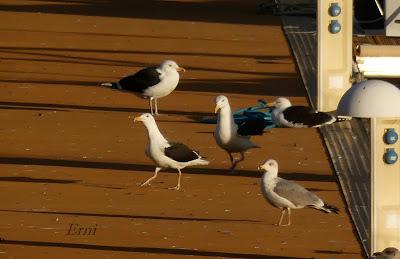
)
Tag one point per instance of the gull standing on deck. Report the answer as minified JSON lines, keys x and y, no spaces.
{"x":167,"y":154}
{"x":152,"y":82}
{"x":287,"y":195}
{"x":286,"y":115}
{"x":229,"y":136}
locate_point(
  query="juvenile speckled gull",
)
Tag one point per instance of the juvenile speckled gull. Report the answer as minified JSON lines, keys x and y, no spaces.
{"x":151,"y":82}
{"x":286,"y":115}
{"x":167,"y":154}
{"x":287,"y":195}
{"x":229,"y":136}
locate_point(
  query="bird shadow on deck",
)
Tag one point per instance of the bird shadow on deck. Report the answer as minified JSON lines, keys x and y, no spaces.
{"x":258,"y":87}
{"x":298,"y":176}
{"x":126,"y":216}
{"x":23,"y":179}
{"x":276,"y":86}
{"x":234,"y":12}
{"x":150,"y":250}
{"x":65,"y":107}
{"x":6,"y":107}
{"x":331,"y":252}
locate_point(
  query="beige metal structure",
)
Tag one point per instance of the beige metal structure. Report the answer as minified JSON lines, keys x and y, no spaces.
{"x":385,"y":187}
{"x":392,"y":18}
{"x":378,"y":60}
{"x":370,"y":50}
{"x":334,"y":53}
{"x":380,"y":101}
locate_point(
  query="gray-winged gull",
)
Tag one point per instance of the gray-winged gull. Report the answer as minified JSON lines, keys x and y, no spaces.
{"x":228,"y":135}
{"x":152,"y":82}
{"x":286,"y":115}
{"x":287,"y":195}
{"x":167,"y":154}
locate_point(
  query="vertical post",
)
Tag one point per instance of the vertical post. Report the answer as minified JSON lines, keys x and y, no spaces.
{"x":373,"y":182}
{"x":385,"y":185}
{"x":335,"y":32}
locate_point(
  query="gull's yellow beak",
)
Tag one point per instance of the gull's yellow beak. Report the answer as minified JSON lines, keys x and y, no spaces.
{"x":216,"y":109}
{"x":180,"y":69}
{"x":137,"y":119}
{"x":260,"y":167}
{"x":272,"y":104}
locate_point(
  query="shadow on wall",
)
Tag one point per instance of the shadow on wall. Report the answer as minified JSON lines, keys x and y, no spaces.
{"x":236,"y":12}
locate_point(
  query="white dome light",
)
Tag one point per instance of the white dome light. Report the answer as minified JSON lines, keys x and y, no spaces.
{"x":370,"y":99}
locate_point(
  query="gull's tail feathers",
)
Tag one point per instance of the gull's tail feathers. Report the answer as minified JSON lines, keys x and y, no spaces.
{"x":326,"y":208}
{"x":322,"y":119}
{"x":331,"y":208}
{"x":343,"y":118}
{"x":199,"y":161}
{"x":111,"y":85}
{"x":252,"y":145}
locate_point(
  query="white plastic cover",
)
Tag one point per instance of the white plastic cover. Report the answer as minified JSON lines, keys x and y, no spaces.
{"x":370,"y":99}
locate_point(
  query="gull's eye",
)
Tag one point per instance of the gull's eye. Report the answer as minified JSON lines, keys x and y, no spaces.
{"x":270,"y":163}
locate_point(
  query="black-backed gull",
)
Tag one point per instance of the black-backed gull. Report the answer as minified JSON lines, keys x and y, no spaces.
{"x":286,"y":115}
{"x":151,"y":82}
{"x":167,"y":154}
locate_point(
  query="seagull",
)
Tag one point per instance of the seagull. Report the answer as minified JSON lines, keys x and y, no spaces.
{"x":229,"y":136}
{"x":287,"y":195}
{"x":167,"y":154}
{"x":286,"y":115}
{"x":387,"y":253}
{"x":151,"y":82}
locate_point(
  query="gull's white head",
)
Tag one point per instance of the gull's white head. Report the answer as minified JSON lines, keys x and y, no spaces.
{"x":170,"y":66}
{"x":281,"y":103}
{"x":221,"y":101}
{"x":270,"y":166}
{"x":146,"y":118}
